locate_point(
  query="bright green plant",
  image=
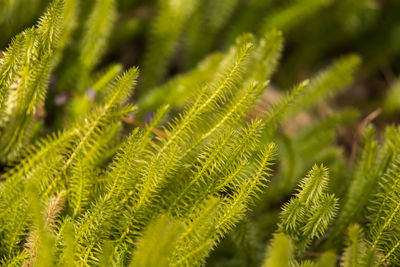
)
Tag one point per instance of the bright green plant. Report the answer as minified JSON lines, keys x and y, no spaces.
{"x":199,"y":161}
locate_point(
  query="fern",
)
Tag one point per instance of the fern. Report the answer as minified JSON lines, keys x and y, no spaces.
{"x":164,"y":38}
{"x":356,"y":248}
{"x":97,"y":28}
{"x":24,"y":84}
{"x":280,"y":252}
{"x":202,"y":169}
{"x":385,"y":225}
{"x":221,"y":214}
{"x":326,"y":82}
{"x":171,"y":231}
{"x":308,"y":215}
{"x":363,"y":183}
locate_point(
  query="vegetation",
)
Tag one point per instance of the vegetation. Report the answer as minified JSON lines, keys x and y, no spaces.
{"x":199,"y":155}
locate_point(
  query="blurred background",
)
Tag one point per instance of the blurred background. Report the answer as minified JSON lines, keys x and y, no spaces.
{"x":315,"y":33}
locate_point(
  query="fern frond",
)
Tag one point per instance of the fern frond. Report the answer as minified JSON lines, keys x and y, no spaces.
{"x":209,"y":161}
{"x":219,"y":13}
{"x":321,"y":216}
{"x":8,"y":69}
{"x":307,"y":215}
{"x":222,"y":216}
{"x":85,"y":182}
{"x":363,"y":184}
{"x":14,"y":260}
{"x":280,"y":252}
{"x":121,"y":181}
{"x":27,"y":90}
{"x":103,"y":78}
{"x":266,"y":56}
{"x":97,"y":29}
{"x":313,"y":185}
{"x":280,"y":110}
{"x":17,"y":14}
{"x":179,"y":87}
{"x":327,"y":83}
{"x":224,"y":172}
{"x":232,"y":114}
{"x":119,"y":91}
{"x":164,"y":37}
{"x":167,"y":155}
{"x":156,"y":246}
{"x":92,"y":230}
{"x":69,"y":15}
{"x":210,"y":17}
{"x":327,"y":259}
{"x":66,"y":232}
{"x":92,"y":127}
{"x":40,"y":164}
{"x":355,"y":247}
{"x":130,"y":155}
{"x":196,"y":230}
{"x":42,"y":248}
{"x":18,"y":203}
{"x":50,"y":27}
{"x":81,"y":184}
{"x":385,"y":209}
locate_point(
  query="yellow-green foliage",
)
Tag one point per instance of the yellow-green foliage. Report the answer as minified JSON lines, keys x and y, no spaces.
{"x":88,"y":178}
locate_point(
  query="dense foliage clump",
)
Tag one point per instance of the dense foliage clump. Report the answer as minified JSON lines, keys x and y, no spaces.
{"x":194,"y":157}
